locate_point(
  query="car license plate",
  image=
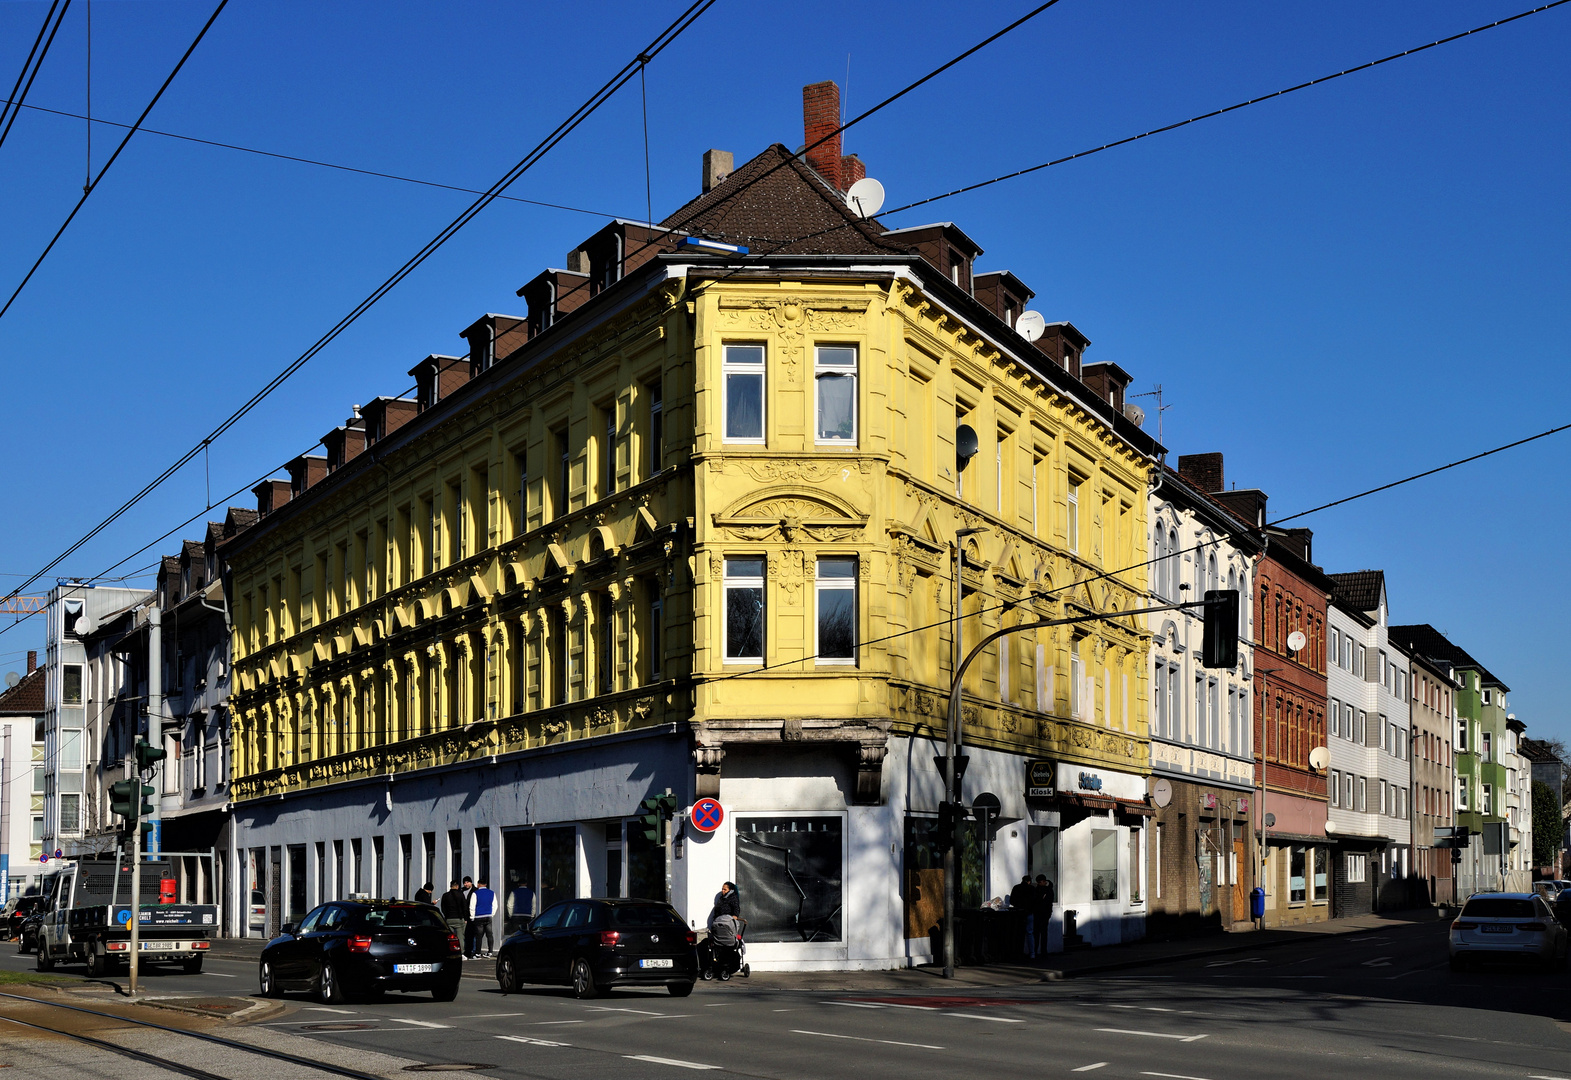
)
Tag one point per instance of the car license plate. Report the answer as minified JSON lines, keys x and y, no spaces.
{"x":413,"y":969}
{"x":157,"y":946}
{"x":661,"y":963}
{"x":1496,"y":929}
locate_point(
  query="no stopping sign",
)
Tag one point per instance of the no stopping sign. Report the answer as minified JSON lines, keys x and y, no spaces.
{"x":706,"y":815}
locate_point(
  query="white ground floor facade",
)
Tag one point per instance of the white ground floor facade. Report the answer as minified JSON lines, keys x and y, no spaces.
{"x":825,"y":882}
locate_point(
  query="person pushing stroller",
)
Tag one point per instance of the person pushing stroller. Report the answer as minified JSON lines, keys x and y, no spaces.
{"x":723,"y":952}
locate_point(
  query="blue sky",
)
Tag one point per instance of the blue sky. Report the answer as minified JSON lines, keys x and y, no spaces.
{"x":1336,"y":289}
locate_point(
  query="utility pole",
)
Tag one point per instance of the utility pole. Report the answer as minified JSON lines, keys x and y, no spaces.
{"x":952,"y":744}
{"x":155,"y":712}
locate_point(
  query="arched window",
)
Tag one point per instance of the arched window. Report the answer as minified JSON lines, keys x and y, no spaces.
{"x":1213,"y":580}
{"x":1173,"y":561}
{"x":1159,"y":561}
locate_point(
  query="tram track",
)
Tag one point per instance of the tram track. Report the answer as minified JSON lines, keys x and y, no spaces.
{"x":195,"y":1072}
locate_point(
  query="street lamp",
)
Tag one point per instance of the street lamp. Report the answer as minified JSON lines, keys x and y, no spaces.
{"x":951,"y":750}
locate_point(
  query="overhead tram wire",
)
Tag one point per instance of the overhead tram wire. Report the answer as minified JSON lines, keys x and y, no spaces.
{"x":781,"y":245}
{"x":93,"y":185}
{"x":30,"y":69}
{"x":890,"y":100}
{"x":577,"y":117}
{"x":320,"y":164}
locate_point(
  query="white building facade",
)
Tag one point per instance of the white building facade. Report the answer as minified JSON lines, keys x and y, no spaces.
{"x":1368,"y":735}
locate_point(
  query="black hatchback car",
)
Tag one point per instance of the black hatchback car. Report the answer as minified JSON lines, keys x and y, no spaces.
{"x":351,"y":949}
{"x":15,"y":914}
{"x":594,"y":945}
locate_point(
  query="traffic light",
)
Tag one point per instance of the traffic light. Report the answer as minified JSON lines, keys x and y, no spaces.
{"x":123,"y":799}
{"x":147,"y":755}
{"x":147,"y":808}
{"x":1219,"y":639}
{"x":649,"y":820}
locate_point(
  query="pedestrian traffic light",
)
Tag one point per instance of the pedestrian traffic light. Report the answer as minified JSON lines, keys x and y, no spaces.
{"x":147,"y":755}
{"x":123,"y":799}
{"x":1219,"y":638}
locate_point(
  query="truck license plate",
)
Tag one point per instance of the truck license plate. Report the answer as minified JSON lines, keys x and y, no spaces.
{"x":157,"y":946}
{"x":413,"y":969}
{"x":662,"y":963}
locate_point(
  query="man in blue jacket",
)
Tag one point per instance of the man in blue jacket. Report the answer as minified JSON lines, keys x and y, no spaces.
{"x":482,"y":905}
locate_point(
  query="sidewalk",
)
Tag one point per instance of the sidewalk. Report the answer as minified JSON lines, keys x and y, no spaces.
{"x":1080,"y":962}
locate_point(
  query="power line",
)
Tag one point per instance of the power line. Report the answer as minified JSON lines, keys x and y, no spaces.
{"x":93,"y":185}
{"x":320,"y":164}
{"x":1231,"y":108}
{"x":30,"y":69}
{"x":562,"y":130}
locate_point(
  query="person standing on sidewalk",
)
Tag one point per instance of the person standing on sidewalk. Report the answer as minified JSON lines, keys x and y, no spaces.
{"x":469,"y":926}
{"x":482,"y":905}
{"x":1022,"y":903}
{"x":423,"y":894}
{"x":1043,"y":920}
{"x":455,"y":909}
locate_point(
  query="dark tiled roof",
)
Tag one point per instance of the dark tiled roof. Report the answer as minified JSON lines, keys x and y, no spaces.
{"x":1425,"y":640}
{"x":1534,"y":750}
{"x":26,"y":698}
{"x":769,"y":213}
{"x":1358,"y":590}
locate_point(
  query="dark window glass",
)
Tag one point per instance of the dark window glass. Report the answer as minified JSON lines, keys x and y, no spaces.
{"x":558,"y":865}
{"x":402,"y":915}
{"x":789,"y":877}
{"x":550,"y":917}
{"x":1499,"y":908}
{"x":644,"y":915}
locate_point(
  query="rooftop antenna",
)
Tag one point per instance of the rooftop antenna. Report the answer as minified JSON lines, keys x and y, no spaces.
{"x":1156,"y":392}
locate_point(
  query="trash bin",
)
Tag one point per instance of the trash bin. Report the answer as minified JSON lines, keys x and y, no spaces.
{"x":1257,"y":903}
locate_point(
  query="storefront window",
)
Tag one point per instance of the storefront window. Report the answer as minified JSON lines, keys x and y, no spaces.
{"x":1322,"y":862}
{"x":518,"y":874}
{"x":558,"y":866}
{"x":645,"y":865}
{"x":924,"y":873}
{"x":789,"y":877}
{"x":1104,"y":864}
{"x":1295,"y":887}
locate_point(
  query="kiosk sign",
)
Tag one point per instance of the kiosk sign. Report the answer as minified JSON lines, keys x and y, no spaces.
{"x":1041,"y":779}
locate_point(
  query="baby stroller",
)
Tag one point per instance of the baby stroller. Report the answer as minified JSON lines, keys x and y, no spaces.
{"x":723,"y":952}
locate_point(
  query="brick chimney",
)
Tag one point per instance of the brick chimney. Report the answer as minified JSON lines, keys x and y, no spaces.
{"x":1202,"y":470}
{"x":851,"y":170}
{"x":32,"y":661}
{"x":820,"y":116}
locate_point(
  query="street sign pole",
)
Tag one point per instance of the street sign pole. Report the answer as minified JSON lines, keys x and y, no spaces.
{"x":136,"y":894}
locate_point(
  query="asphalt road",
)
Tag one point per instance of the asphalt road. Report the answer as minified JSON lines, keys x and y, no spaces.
{"x":1382,"y":1001}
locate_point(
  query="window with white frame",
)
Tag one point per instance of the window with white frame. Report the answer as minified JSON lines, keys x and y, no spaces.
{"x":742,"y":367}
{"x":1336,"y":646}
{"x":1077,"y":674}
{"x":1334,"y":716}
{"x":1363,"y":795}
{"x":1335,"y":787}
{"x":1358,"y":660}
{"x":1385,"y":733}
{"x":835,"y":593}
{"x":744,"y":610}
{"x":1201,"y":725}
{"x":834,"y":385}
{"x":1487,"y":804}
{"x":1357,"y":868}
{"x":1347,"y":791}
{"x":1462,"y":800}
{"x":1072,"y":521}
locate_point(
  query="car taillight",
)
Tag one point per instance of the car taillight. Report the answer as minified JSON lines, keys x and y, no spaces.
{"x":1533,"y":926}
{"x":610,"y":938}
{"x":119,"y":946}
{"x":453,"y":944}
{"x":203,"y":945}
{"x":692,"y":938}
{"x":360,"y":943}
{"x":1460,"y":925}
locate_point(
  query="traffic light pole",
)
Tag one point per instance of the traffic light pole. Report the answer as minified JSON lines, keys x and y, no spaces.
{"x":135,"y":907}
{"x":953,"y":734}
{"x":155,"y":713}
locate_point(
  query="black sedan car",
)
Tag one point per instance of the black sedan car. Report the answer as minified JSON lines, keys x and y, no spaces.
{"x":27,"y":933}
{"x":16,"y":912}
{"x":594,"y":945}
{"x":351,"y":949}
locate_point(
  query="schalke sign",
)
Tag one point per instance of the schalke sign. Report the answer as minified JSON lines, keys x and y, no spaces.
{"x":706,"y":815}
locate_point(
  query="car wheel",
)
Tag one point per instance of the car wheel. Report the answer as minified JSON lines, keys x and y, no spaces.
{"x":583,"y":979}
{"x":266,"y":983}
{"x":680,"y":989}
{"x":329,"y":989}
{"x":506,"y":975}
{"x":192,"y":965}
{"x":43,"y":961}
{"x":446,"y":992}
{"x":95,"y":964}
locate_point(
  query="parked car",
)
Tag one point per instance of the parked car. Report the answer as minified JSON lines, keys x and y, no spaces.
{"x":27,"y":934}
{"x":1507,"y":925}
{"x":351,"y":949}
{"x":1562,"y":908}
{"x":17,"y":909}
{"x":594,"y":945}
{"x":1550,"y":890}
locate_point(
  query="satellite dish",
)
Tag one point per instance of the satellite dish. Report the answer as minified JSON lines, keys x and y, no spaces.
{"x":12,"y":678}
{"x":1030,"y":325}
{"x":1330,"y":826}
{"x":1162,"y":792}
{"x":866,"y":197}
{"x":1296,"y":641}
{"x":85,"y":625}
{"x":966,"y":444}
{"x":1136,"y":414}
{"x":1319,"y":758}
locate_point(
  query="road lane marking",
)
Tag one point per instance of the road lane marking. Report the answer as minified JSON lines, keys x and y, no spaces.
{"x":612,"y":1008}
{"x":1174,"y":1076}
{"x":1535,"y":1076}
{"x":417,"y":1023}
{"x":526,"y":1040}
{"x":852,"y":1004}
{"x":220,"y":975}
{"x":1153,"y":1035}
{"x":1088,"y":1068}
{"x":1230,"y":963}
{"x":1379,"y":961}
{"x":324,"y":1008}
{"x":858,"y":1038}
{"x":669,"y":1061}
{"x":548,"y":1023}
{"x":923,"y":1008}
{"x":489,"y":1016}
{"x":995,"y":1019}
